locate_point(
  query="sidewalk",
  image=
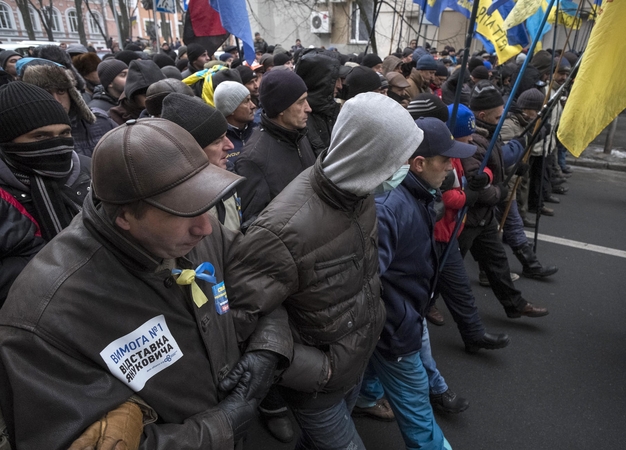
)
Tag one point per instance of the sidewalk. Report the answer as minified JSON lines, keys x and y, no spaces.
{"x":595,"y":158}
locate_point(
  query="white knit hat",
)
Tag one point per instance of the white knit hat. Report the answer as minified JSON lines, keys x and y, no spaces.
{"x":229,"y":95}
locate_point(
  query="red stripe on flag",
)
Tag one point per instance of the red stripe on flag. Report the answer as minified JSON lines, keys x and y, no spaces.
{"x":205,"y":21}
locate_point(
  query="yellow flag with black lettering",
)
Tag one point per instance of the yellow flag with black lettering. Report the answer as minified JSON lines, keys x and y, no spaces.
{"x":492,"y":28}
{"x":599,"y":92}
{"x":522,"y":10}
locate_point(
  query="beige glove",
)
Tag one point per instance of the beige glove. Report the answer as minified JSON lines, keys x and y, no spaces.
{"x":120,"y":429}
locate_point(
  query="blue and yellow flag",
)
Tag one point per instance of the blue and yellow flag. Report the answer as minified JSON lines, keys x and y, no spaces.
{"x":593,"y":105}
{"x":432,"y":9}
{"x":491,"y":26}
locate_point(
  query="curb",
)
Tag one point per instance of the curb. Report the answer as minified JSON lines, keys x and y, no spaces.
{"x":597,"y":164}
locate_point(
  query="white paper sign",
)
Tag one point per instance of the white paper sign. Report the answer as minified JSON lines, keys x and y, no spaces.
{"x":141,"y":354}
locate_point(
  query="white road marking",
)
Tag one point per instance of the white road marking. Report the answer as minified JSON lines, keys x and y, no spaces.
{"x":577,"y":244}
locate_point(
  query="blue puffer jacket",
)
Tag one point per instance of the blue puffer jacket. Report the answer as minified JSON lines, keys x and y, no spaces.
{"x":408,"y":262}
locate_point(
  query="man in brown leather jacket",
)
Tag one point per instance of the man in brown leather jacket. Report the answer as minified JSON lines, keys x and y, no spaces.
{"x":120,"y":329}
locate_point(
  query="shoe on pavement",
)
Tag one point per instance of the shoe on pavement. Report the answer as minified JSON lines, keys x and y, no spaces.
{"x":545,"y":211}
{"x":448,"y":402}
{"x":488,"y":341}
{"x":484,"y":281}
{"x":380,"y":411}
{"x":561,"y":190}
{"x":529,"y":310}
{"x":566,"y":169}
{"x":435,"y":317}
{"x":552,"y":198}
{"x":529,"y":223}
{"x":557,"y":181}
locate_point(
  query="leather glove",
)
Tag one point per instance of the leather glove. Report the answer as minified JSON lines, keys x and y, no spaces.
{"x":261,"y":365}
{"x":504,"y":191}
{"x":478,"y":181}
{"x":471,"y":196}
{"x":522,"y":169}
{"x":448,"y":182}
{"x":120,"y":429}
{"x":240,"y":410}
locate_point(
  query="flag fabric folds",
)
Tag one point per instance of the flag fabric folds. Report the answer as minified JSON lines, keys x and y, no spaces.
{"x":203,"y":26}
{"x":432,"y":9}
{"x":592,"y":106}
{"x":492,"y":28}
{"x":534,"y":22}
{"x":522,"y":10}
{"x":234,"y":16}
{"x":210,"y":22}
{"x":567,"y":15}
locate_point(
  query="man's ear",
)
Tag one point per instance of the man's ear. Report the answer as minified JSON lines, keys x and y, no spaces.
{"x":481,"y":115}
{"x":416,"y":165}
{"x":122,"y":219}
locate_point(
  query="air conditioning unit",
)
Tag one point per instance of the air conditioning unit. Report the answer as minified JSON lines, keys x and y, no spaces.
{"x":320,"y":22}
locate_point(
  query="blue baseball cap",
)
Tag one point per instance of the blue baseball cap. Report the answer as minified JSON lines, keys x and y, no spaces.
{"x":438,"y":141}
{"x":465,"y":121}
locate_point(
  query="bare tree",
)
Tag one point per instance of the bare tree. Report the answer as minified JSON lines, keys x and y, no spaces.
{"x":80,"y":24}
{"x":22,"y":5}
{"x":46,"y":17}
{"x":96,"y":20}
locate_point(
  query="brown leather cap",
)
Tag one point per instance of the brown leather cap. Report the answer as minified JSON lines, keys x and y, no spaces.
{"x":159,"y":162}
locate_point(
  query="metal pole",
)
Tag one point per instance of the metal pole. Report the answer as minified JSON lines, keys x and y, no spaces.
{"x":419,"y":29}
{"x":608,"y":145}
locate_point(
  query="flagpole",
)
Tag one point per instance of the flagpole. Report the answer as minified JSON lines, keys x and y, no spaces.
{"x":496,"y":133}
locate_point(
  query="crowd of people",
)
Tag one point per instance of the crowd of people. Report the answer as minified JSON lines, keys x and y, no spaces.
{"x":191,"y":241}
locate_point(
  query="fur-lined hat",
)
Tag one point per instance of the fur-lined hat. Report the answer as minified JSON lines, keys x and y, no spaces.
{"x":54,"y":77}
{"x":86,"y":63}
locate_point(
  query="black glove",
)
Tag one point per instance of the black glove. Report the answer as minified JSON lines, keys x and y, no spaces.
{"x":504,"y":191}
{"x":448,"y":182}
{"x":478,"y":181}
{"x":261,"y":366}
{"x":470,"y":197}
{"x":522,"y":169}
{"x":544,"y":131}
{"x":240,"y":410}
{"x":523,"y":140}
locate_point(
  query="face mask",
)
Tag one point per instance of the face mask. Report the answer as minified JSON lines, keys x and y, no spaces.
{"x":49,"y":158}
{"x":393,"y":181}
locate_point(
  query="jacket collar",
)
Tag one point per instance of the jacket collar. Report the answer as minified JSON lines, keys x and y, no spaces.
{"x":419,"y":188}
{"x":281,"y":133}
{"x":329,"y":192}
{"x":125,"y":249}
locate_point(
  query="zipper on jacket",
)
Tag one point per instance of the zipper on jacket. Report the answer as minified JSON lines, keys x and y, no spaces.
{"x":337,"y":262}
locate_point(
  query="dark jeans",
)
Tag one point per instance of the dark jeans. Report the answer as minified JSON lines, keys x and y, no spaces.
{"x":487,"y":248}
{"x":329,"y":428}
{"x":454,"y":286}
{"x":513,"y":231}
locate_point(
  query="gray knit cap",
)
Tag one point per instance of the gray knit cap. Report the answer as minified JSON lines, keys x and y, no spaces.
{"x":229,"y":95}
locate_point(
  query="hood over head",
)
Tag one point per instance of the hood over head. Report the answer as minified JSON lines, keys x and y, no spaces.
{"x":372,"y":138}
{"x":320,"y":73}
{"x":141,"y":74}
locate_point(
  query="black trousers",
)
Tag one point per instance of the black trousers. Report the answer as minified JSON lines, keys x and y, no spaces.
{"x":454,"y":286}
{"x":487,"y":248}
{"x":535,"y":173}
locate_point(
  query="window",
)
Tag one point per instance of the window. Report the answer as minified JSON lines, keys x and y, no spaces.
{"x":358,"y":29}
{"x":6,"y":17}
{"x":55,"y":22}
{"x":72,"y":20}
{"x":34,"y":19}
{"x":94,"y":20}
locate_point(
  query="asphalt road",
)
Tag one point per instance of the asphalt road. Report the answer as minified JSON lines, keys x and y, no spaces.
{"x":560,"y":383}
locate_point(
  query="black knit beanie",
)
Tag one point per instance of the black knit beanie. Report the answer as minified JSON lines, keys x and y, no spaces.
{"x":162,"y":60}
{"x":109,"y":69}
{"x":25,"y":107}
{"x":194,"y":51}
{"x":127,"y":56}
{"x":370,"y":60}
{"x":361,"y":79}
{"x":279,"y":90}
{"x":204,"y":122}
{"x":428,"y":105}
{"x":480,"y":73}
{"x":485,"y":96}
{"x":246,"y":74}
{"x":530,"y":99}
